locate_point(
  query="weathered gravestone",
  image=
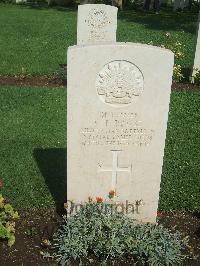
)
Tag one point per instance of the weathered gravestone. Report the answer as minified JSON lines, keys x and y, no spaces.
{"x":118,"y":102}
{"x":96,"y":24}
{"x":196,"y":66}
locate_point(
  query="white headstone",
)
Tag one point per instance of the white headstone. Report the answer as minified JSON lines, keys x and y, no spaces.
{"x":196,"y":66}
{"x":96,"y":24}
{"x":117,"y":111}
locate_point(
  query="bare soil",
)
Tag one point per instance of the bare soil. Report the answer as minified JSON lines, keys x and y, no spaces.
{"x":33,"y":81}
{"x":57,"y":81}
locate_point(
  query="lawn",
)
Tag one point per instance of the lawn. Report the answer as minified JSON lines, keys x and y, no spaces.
{"x":180,"y":187}
{"x":33,"y":141}
{"x":34,"y":40}
{"x":33,"y":154}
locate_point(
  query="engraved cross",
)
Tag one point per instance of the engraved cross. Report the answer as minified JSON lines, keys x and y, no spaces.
{"x":115,"y":169}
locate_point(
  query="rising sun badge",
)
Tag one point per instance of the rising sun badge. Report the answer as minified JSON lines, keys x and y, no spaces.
{"x":119,"y":82}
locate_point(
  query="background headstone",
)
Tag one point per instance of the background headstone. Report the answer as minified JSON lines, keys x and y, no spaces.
{"x":196,"y":65}
{"x":118,"y":102}
{"x":96,"y":24}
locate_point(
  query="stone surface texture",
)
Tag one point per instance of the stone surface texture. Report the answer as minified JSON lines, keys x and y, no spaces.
{"x":117,"y":111}
{"x":96,"y":24}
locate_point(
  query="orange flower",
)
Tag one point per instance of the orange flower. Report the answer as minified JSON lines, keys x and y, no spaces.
{"x":111,"y":194}
{"x":65,"y":205}
{"x":99,"y":199}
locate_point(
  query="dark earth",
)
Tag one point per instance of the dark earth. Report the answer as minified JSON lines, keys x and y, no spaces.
{"x":41,"y":81}
{"x":58,"y":81}
{"x":35,"y":226}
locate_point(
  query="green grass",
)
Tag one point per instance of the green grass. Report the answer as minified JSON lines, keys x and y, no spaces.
{"x":34,"y":40}
{"x":33,"y":138}
{"x":33,"y":155}
{"x":180,"y":187}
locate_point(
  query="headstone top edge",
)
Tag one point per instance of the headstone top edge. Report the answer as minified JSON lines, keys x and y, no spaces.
{"x":97,"y":5}
{"x":121,"y":44}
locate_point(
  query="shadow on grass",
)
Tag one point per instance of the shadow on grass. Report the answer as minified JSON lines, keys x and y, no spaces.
{"x":166,"y":20}
{"x":53,"y":166}
{"x":42,"y":6}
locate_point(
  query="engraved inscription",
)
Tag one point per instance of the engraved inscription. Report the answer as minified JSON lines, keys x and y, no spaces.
{"x":115,"y":169}
{"x":97,"y":35}
{"x":119,"y":82}
{"x":116,"y":130}
{"x":97,"y":20}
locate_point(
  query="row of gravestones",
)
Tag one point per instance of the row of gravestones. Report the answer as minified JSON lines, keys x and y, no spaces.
{"x":118,"y":98}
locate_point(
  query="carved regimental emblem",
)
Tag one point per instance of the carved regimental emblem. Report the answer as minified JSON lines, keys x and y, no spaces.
{"x":97,"y":18}
{"x":119,"y":82}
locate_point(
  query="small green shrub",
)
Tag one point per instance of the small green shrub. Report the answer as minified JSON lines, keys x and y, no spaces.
{"x":97,"y":230}
{"x":7,"y":225}
{"x":172,"y":43}
{"x":177,"y":73}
